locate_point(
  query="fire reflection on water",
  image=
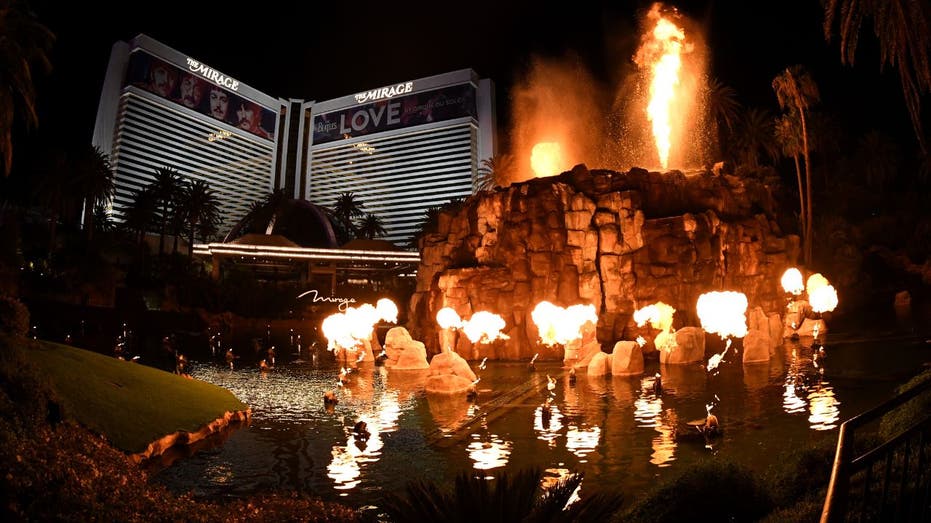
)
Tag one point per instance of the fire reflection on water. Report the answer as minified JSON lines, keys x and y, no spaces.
{"x":345,"y":469}
{"x":649,"y":413}
{"x":548,"y":432}
{"x":490,"y":454}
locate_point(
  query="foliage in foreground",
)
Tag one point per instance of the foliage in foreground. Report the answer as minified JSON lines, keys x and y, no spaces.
{"x":708,"y":491}
{"x":58,"y":471}
{"x":910,"y":412}
{"x":509,"y":499}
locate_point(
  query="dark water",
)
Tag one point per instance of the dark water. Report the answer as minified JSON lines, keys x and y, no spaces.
{"x":614,"y":429}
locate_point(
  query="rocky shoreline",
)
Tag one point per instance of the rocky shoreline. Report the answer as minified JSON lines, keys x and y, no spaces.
{"x":161,"y":445}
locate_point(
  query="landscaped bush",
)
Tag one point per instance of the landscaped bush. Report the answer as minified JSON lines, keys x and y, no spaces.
{"x":805,"y":471}
{"x":708,"y":491}
{"x":64,"y":472}
{"x":14,"y":316}
{"x":913,"y":411}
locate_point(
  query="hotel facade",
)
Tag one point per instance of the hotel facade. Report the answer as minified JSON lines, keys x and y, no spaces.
{"x":400,"y":149}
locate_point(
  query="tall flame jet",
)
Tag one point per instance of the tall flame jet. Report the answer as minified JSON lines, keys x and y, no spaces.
{"x":660,"y":57}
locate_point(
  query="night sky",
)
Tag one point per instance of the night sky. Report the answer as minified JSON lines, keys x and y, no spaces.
{"x":322,"y":50}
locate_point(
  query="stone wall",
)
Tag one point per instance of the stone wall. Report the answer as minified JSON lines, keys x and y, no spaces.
{"x":620,"y":241}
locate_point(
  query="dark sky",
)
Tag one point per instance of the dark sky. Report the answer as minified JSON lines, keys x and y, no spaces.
{"x":317,"y":50}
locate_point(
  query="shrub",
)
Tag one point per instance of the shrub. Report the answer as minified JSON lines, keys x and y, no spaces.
{"x":708,"y":491}
{"x":909,"y":413}
{"x":14,"y":316}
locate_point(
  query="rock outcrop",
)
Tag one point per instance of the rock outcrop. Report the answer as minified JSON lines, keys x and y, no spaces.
{"x":619,"y":241}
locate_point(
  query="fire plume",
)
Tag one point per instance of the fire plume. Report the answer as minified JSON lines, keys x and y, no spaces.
{"x":660,"y":56}
{"x":546,"y":159}
{"x":561,"y":326}
{"x":792,"y":281}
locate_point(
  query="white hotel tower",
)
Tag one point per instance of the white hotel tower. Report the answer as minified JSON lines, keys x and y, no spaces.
{"x":400,"y":148}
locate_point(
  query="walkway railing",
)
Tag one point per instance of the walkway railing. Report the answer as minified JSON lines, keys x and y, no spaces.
{"x":875,"y":480}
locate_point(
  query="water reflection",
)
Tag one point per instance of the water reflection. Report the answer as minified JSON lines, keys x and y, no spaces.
{"x":581,"y":440}
{"x":489,"y":454}
{"x":823,"y":406}
{"x":648,"y":412}
{"x":293,"y":443}
{"x":548,"y":427}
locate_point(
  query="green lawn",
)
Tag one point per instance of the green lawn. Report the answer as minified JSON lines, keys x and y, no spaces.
{"x":131,"y":404}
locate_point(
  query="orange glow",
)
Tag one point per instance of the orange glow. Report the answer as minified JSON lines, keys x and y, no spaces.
{"x":660,"y":56}
{"x":723,"y":313}
{"x":823,"y":299}
{"x":561,"y":326}
{"x":546,"y":159}
{"x":352,"y":327}
{"x":792,"y":281}
{"x":447,"y":318}
{"x":484,"y":327}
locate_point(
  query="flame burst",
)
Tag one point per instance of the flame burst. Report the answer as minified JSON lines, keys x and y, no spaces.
{"x":546,"y":159}
{"x":483,"y":327}
{"x":821,"y":295}
{"x":352,"y":327}
{"x":660,"y":56}
{"x":792,"y":281}
{"x":561,"y":326}
{"x":723,"y":313}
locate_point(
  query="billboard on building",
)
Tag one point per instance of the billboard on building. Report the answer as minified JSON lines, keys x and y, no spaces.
{"x":397,"y":112}
{"x":206,"y":94}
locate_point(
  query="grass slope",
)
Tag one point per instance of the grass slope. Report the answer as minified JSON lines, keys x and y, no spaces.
{"x":131,"y":404}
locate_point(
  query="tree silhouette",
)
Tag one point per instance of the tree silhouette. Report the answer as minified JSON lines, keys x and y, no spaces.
{"x":797,"y":91}
{"x":344,"y":211}
{"x":755,"y":137}
{"x":724,"y":111}
{"x":24,"y":46}
{"x":903,"y":30}
{"x":93,"y":182}
{"x":165,"y":187}
{"x":790,"y":145}
{"x":200,"y":208}
{"x":371,"y":227}
{"x":497,"y":171}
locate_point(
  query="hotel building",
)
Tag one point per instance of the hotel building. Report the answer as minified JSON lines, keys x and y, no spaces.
{"x":400,"y":149}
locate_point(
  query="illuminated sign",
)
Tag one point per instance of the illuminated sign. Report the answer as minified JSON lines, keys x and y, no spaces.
{"x":439,"y":105}
{"x":342,"y":303}
{"x":219,"y":135}
{"x":212,"y":74}
{"x":384,"y":92}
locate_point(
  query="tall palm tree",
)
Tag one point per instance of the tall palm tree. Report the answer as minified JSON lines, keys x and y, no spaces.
{"x":93,"y":182}
{"x":140,"y":216}
{"x":345,"y":210}
{"x":24,"y":46}
{"x":165,"y":187}
{"x":200,"y":208}
{"x":903,"y":28}
{"x":797,"y":91}
{"x":790,"y":145}
{"x":723,"y":110}
{"x":371,"y":227}
{"x":497,"y":171}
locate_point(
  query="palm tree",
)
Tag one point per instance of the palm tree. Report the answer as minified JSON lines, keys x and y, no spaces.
{"x":790,"y":145}
{"x":165,"y":187}
{"x":200,"y":208}
{"x":755,"y":137}
{"x":497,"y":171}
{"x":371,"y":227}
{"x":903,"y":28}
{"x":724,"y":111}
{"x":140,"y":215}
{"x":93,"y":182}
{"x":506,"y":499}
{"x":24,"y":45}
{"x":797,"y":91}
{"x":345,"y":210}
